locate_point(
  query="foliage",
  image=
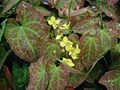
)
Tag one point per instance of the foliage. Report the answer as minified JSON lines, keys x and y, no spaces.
{"x":55,"y":44}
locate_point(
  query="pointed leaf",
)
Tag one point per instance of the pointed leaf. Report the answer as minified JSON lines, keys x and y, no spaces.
{"x":90,"y":46}
{"x":58,"y":77}
{"x":111,"y":80}
{"x":22,"y":37}
{"x":106,"y":42}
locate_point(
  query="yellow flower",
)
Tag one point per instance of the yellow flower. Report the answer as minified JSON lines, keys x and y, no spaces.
{"x":74,"y":52}
{"x":59,"y":36}
{"x":68,"y":62}
{"x":68,"y":47}
{"x":65,"y":42}
{"x":65,"y":26}
{"x":53,"y":22}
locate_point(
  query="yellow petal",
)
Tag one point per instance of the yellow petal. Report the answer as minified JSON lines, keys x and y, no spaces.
{"x":68,"y":62}
{"x":53,"y":18}
{"x":58,"y":36}
{"x":65,"y":39}
{"x":62,"y":44}
{"x":57,"y":22}
{"x":50,"y":22}
{"x":74,"y":56}
{"x":54,"y":26}
{"x":68,"y":47}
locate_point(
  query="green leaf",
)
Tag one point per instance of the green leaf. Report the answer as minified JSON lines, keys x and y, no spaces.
{"x":106,"y":42}
{"x":35,"y":2}
{"x":111,"y":80}
{"x":43,"y":11}
{"x":23,"y":36}
{"x":3,"y":56}
{"x":58,"y":77}
{"x":38,"y":76}
{"x":9,"y":5}
{"x":90,"y":47}
{"x":115,"y":57}
{"x":49,"y":50}
{"x":1,"y":34}
{"x":20,"y":75}
{"x":3,"y":24}
{"x":75,"y":79}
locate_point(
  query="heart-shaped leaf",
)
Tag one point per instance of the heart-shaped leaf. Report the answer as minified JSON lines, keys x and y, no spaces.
{"x":50,"y":78}
{"x":22,"y":37}
{"x":111,"y":80}
{"x":90,"y":46}
{"x":38,"y":76}
{"x":58,"y":77}
{"x":106,"y":42}
{"x":49,"y":50}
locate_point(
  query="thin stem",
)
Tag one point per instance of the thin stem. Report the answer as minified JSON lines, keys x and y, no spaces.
{"x":69,"y":10}
{"x":98,"y":4}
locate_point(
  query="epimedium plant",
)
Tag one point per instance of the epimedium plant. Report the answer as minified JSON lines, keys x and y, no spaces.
{"x":61,"y":46}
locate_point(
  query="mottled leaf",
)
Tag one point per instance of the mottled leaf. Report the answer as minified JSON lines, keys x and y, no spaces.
{"x":90,"y":47}
{"x":50,"y":51}
{"x":114,"y":28}
{"x":75,"y":79}
{"x":43,"y":11}
{"x":86,"y":25}
{"x":111,"y":80}
{"x":38,"y":76}
{"x":109,"y":10}
{"x":106,"y":42}
{"x":22,"y":37}
{"x":58,"y":77}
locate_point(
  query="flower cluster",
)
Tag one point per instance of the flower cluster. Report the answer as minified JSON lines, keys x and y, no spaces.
{"x":65,"y":43}
{"x":68,"y":45}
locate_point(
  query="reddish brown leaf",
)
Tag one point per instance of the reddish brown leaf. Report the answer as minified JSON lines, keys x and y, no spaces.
{"x":23,"y":36}
{"x":111,"y":80}
{"x":90,"y":46}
